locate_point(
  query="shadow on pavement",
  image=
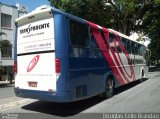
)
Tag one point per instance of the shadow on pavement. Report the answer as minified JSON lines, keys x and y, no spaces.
{"x":63,"y":109}
{"x":70,"y":109}
{"x":128,"y":86}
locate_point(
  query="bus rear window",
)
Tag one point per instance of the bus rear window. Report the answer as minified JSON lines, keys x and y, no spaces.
{"x":79,"y":34}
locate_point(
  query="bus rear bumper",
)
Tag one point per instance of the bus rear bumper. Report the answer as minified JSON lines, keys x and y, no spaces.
{"x":43,"y":95}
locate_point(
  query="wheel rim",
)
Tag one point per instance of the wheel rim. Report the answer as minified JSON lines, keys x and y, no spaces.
{"x":109,"y":87}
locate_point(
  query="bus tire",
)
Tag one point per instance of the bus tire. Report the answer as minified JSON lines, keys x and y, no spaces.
{"x":109,"y":87}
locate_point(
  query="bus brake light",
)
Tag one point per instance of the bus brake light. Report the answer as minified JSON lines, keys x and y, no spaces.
{"x":58,"y":66}
{"x":15,"y":67}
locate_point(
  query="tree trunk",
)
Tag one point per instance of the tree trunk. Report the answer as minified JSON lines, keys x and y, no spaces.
{"x":124,"y":28}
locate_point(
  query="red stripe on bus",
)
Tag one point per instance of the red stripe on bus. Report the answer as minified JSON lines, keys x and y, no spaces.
{"x":107,"y":55}
{"x":132,"y":76}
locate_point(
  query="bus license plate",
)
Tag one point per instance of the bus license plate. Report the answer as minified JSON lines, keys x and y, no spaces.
{"x":32,"y":84}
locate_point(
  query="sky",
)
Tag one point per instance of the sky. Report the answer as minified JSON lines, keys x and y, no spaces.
{"x":30,"y":4}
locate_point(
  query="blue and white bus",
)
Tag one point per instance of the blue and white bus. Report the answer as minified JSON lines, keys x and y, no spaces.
{"x":62,"y":58}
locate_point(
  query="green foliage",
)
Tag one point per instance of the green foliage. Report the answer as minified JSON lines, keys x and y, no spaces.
{"x":86,"y":9}
{"x":121,"y":15}
{"x":142,"y":16}
{"x":5,"y":43}
{"x":157,"y":1}
{"x":2,"y":33}
{"x":151,"y":27}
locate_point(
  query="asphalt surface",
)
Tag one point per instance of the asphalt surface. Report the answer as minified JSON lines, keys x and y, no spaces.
{"x":132,"y":99}
{"x":6,"y":90}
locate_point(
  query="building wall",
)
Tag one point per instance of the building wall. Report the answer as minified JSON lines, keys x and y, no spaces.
{"x":10,"y":31}
{"x":22,"y":9}
{"x":14,"y":12}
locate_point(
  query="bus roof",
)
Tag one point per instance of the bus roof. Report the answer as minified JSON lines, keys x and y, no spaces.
{"x":40,"y":12}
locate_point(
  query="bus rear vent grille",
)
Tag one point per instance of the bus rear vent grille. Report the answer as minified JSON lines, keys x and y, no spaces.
{"x":81,"y":91}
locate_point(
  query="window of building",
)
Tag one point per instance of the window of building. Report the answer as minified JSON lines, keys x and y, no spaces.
{"x":6,"y":20}
{"x":6,"y":48}
{"x":79,"y":34}
{"x":7,"y":51}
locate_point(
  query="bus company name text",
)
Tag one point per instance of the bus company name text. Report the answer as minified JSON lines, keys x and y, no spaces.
{"x":34,"y":28}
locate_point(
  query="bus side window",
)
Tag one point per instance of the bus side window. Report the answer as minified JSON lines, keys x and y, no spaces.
{"x":129,"y":47}
{"x":136,"y":49}
{"x":141,"y":50}
{"x":118,"y":47}
{"x":124,"y":41}
{"x":111,"y":42}
{"x":133,"y":47}
{"x":93,"y":42}
{"x":104,"y":39}
{"x":79,"y":34}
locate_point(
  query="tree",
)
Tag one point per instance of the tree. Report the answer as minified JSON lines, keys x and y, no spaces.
{"x":2,"y":33}
{"x":87,"y":9}
{"x":151,"y":27}
{"x":126,"y":16}
{"x":129,"y":14}
{"x":122,"y":15}
{"x":5,"y":45}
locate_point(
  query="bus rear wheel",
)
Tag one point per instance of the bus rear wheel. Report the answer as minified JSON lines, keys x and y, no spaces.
{"x":109,"y":88}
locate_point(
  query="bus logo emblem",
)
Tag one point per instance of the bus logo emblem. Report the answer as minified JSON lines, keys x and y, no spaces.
{"x":33,"y":63}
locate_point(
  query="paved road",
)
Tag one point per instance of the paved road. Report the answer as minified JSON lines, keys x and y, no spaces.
{"x":6,"y":90}
{"x":133,"y":98}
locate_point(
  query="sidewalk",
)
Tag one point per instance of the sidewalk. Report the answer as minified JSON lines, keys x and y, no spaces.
{"x":6,"y":82}
{"x":11,"y":102}
{"x":8,"y":103}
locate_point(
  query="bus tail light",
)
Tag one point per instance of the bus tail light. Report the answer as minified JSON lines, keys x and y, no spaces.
{"x":58,"y":66}
{"x":15,"y":67}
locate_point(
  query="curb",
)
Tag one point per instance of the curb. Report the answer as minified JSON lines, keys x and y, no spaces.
{"x":14,"y":104}
{"x":6,"y":82}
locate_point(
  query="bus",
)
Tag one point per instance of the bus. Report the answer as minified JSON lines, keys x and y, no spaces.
{"x":62,"y":58}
